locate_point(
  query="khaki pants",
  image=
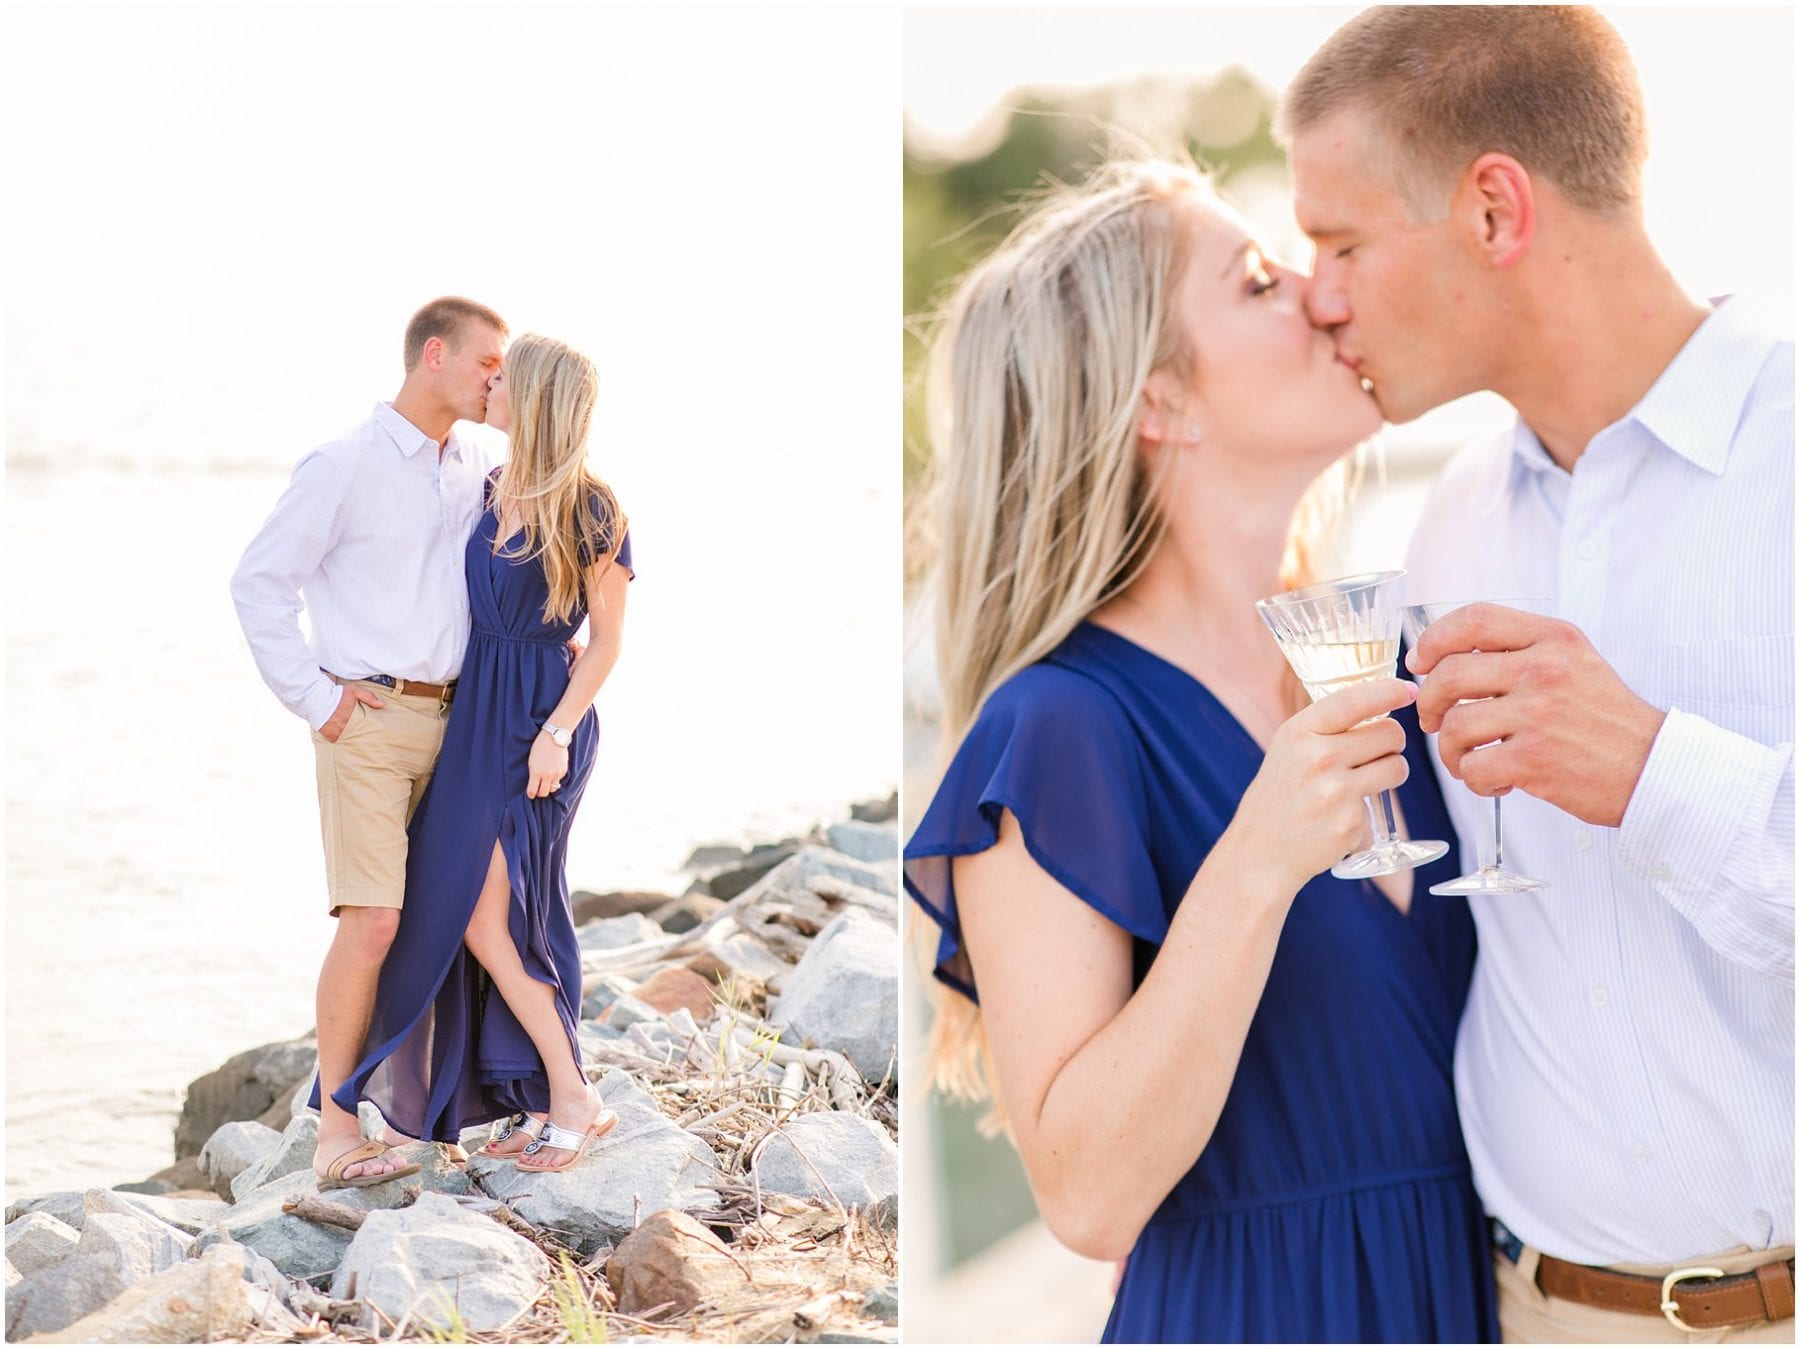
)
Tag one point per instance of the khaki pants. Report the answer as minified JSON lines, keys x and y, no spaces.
{"x":1528,"y":1316}
{"x":370,"y":782}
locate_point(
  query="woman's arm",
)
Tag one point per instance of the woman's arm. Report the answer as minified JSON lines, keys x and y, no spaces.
{"x":1112,"y":1094}
{"x":606,"y":585}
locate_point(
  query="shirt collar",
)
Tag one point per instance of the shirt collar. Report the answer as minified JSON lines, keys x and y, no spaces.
{"x":408,"y":438}
{"x":1694,"y":407}
{"x":1697,"y":402}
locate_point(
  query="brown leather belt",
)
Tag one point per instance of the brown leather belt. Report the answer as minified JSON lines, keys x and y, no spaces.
{"x":415,"y":687}
{"x":1694,"y":1298}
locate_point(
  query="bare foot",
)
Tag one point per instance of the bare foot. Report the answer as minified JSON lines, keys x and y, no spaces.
{"x":333,"y":1146}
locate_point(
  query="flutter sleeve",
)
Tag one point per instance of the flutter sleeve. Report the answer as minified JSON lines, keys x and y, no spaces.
{"x":1056,"y":750}
{"x":592,"y":548}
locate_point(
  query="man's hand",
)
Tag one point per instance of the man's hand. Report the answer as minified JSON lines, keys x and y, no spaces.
{"x":1569,"y":731}
{"x":353,"y":695}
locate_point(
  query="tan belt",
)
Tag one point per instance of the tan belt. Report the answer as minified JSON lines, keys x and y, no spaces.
{"x":1694,"y":1298}
{"x":415,"y":687}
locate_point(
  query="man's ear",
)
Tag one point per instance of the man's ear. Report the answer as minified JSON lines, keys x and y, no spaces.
{"x":434,"y":353}
{"x":1496,"y":200}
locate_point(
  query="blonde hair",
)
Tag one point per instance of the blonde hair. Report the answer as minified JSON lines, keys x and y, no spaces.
{"x":1038,"y":506}
{"x":570,"y":517}
{"x":1551,"y":85}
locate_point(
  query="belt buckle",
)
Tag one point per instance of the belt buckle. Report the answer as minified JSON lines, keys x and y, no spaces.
{"x":1672,"y":1308}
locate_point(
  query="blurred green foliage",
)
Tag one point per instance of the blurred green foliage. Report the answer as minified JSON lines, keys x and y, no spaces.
{"x":962,"y":201}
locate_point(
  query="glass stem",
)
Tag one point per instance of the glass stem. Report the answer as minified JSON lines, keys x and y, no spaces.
{"x":1497,"y":858}
{"x":1380,"y":817}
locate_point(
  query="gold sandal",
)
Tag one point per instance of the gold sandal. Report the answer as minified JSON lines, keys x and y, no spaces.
{"x":334,"y":1178}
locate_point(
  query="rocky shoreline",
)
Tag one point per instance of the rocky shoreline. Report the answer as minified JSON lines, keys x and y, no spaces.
{"x":744,"y":1031}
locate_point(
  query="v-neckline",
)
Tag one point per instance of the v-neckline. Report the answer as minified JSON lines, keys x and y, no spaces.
{"x":1366,"y":886}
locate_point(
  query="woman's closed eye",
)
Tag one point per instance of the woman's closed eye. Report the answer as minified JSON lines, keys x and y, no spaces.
{"x":1262,"y":281}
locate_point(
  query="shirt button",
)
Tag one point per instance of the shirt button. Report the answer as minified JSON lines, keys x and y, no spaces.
{"x":1639,"y":1153}
{"x":1583,"y":840}
{"x":1659,"y":872}
{"x":1587,"y":550}
{"x":1598,"y":995}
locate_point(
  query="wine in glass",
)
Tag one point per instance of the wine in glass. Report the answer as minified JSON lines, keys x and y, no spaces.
{"x":1336,"y":634}
{"x":1488,"y":878}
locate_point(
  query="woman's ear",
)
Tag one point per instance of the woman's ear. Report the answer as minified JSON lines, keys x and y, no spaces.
{"x":1160,"y":421}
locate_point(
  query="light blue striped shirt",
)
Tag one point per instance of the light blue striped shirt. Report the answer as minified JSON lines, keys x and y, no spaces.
{"x":1625,"y":1067}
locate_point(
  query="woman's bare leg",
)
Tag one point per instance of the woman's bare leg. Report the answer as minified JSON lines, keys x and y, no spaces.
{"x":572,"y":1101}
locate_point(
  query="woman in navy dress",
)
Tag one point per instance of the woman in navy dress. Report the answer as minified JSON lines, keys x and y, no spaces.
{"x":476,"y":1011}
{"x":1217,"y":1062}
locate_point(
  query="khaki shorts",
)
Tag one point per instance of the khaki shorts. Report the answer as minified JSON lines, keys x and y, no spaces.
{"x":1528,"y":1316}
{"x":370,"y":782}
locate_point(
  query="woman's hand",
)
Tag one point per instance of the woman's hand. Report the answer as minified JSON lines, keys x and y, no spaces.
{"x":549,"y":765}
{"x":1304,"y":810}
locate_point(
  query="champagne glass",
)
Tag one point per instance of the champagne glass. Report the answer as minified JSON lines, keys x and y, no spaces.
{"x":1488,"y":878}
{"x":1334,"y":635}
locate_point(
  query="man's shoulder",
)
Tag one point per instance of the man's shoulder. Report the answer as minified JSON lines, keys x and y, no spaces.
{"x":1476,"y":470}
{"x":344,"y":451}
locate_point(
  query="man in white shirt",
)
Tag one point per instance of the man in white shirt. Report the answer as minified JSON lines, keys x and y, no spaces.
{"x":369,"y":540}
{"x":1471,"y":177}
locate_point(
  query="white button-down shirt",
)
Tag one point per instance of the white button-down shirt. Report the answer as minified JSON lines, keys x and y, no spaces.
{"x":369,"y":538}
{"x":1625,"y":1067}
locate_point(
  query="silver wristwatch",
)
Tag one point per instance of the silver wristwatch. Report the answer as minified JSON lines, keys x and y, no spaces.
{"x":560,"y":736}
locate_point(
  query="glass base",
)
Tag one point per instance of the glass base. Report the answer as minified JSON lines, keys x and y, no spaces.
{"x":1489,"y":881}
{"x":1384,"y":859}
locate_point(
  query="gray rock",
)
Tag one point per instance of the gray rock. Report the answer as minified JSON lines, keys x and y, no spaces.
{"x":12,"y":1274}
{"x":603,"y":992}
{"x":435,"y":1255}
{"x":628,"y":1011}
{"x":813,"y":860}
{"x":293,"y":1151}
{"x":883,"y":1304}
{"x":137,"y":1244}
{"x":686,"y":913}
{"x":829,"y":1155}
{"x":37,"y":1241}
{"x":197,"y":1301}
{"x":298,"y":1248}
{"x":734,"y":878}
{"x":746,"y":955}
{"x":865,"y":842}
{"x":586,"y":906}
{"x":877,"y":812}
{"x":234,"y":1148}
{"x":65,"y":1292}
{"x":608,"y":934}
{"x":886,"y":1214}
{"x":243,"y":1088}
{"x":189,"y":1216}
{"x":644,"y":1164}
{"x":66,"y":1205}
{"x":845,"y":993}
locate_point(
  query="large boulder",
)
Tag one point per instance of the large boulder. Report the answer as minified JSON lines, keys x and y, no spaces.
{"x":62,"y":1293}
{"x":674,"y":1263}
{"x":136,"y":1244}
{"x":845,"y":993}
{"x":425,"y":1260}
{"x":829,"y":1155}
{"x":66,"y":1205}
{"x":813,"y":861}
{"x":196,"y":1302}
{"x":190,"y":1216}
{"x":243,"y":1088}
{"x":733,"y":878}
{"x":39,"y":1240}
{"x":234,"y":1148}
{"x":644,"y":1164}
{"x":292,"y":1151}
{"x":608,"y":934}
{"x":297,"y":1247}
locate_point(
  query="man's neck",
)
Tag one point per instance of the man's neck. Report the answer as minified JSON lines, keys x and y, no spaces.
{"x":1609,"y":320}
{"x":426,"y":413}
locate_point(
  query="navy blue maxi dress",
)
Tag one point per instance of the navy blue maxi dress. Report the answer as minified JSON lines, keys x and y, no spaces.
{"x":1333,"y":1201}
{"x":444,"y":1052}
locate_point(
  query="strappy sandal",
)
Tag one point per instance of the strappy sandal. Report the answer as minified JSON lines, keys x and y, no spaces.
{"x":334,"y":1178}
{"x":521,"y":1123}
{"x":555,"y":1136}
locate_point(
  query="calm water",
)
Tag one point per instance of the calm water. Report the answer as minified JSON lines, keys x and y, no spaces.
{"x":164,"y":883}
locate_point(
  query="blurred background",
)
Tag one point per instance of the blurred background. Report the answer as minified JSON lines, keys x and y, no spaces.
{"x":218,"y":223}
{"x":997,"y":99}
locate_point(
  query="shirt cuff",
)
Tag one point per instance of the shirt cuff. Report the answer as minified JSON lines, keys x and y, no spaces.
{"x":1700,"y":785}
{"x":319,"y":702}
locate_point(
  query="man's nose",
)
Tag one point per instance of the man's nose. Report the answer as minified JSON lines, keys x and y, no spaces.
{"x":1325,"y":302}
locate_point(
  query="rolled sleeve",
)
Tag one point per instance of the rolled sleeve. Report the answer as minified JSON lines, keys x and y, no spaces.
{"x":1710,"y":828}
{"x":266,"y":588}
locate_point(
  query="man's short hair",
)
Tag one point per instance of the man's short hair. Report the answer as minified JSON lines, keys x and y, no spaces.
{"x":1551,"y":85}
{"x":445,"y":318}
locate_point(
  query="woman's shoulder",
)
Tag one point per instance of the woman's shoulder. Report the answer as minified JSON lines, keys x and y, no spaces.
{"x":1060,"y":711}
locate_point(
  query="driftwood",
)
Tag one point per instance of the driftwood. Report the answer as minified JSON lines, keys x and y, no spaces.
{"x":324,"y":1211}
